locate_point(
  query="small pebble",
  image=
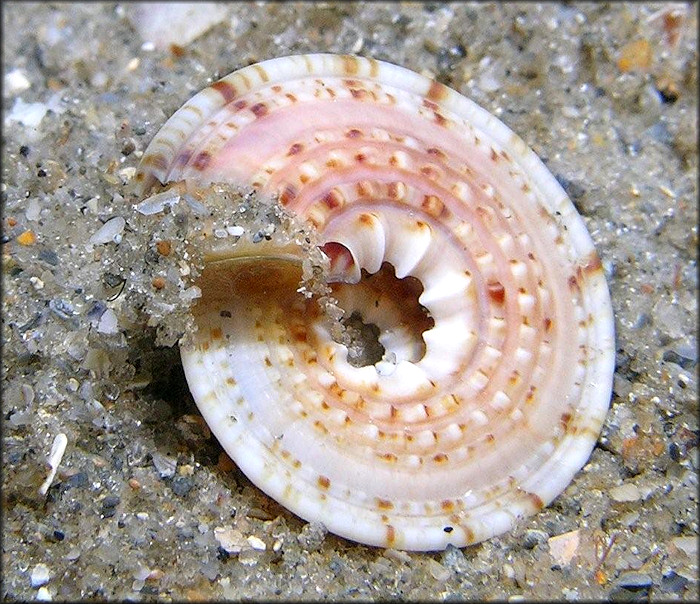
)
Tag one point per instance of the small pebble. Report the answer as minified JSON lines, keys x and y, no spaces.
{"x":108,"y":322}
{"x":48,"y":256}
{"x":33,"y":209}
{"x":673,"y":583}
{"x":28,"y":394}
{"x":27,"y":238}
{"x":230,"y":539}
{"x":184,"y":268}
{"x":635,"y":55}
{"x":688,"y":545}
{"x":164,"y":465}
{"x":93,"y":204}
{"x":438,"y":571}
{"x":111,"y":501}
{"x":191,"y":293}
{"x":634,"y":580}
{"x":127,"y":173}
{"x":141,"y":573}
{"x":256,"y":543}
{"x":80,"y":479}
{"x":508,"y":571}
{"x":249,"y":557}
{"x":109,"y":505}
{"x":629,"y":519}
{"x":258,"y":513}
{"x":40,"y":575}
{"x":398,"y":555}
{"x":155,"y":575}
{"x":198,"y":208}
{"x":128,"y":148}
{"x":186,"y":470}
{"x":44,"y":595}
{"x":164,"y":247}
{"x":312,"y":536}
{"x":533,"y":538}
{"x":21,"y":419}
{"x":625,"y":492}
{"x":210,"y":570}
{"x":61,"y":308}
{"x":181,"y":485}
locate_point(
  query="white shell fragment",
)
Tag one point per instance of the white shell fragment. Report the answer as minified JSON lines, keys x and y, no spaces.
{"x":57,"y":450}
{"x":110,"y":231}
{"x":157,"y":203}
{"x":16,"y":81}
{"x":494,"y":317}
{"x":40,"y":575}
{"x":27,"y":114}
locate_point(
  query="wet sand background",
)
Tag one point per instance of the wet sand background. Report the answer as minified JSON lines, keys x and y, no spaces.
{"x":144,"y":504}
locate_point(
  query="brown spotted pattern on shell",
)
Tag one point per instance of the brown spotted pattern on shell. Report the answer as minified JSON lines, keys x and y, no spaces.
{"x":477,"y":419}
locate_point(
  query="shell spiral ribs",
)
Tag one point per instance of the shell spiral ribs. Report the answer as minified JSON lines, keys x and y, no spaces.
{"x":508,"y":399}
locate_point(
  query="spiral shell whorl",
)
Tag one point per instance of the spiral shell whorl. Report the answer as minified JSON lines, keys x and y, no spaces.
{"x":508,"y":398}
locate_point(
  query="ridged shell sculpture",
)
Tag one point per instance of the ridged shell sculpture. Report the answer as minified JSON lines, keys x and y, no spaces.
{"x":448,"y":234}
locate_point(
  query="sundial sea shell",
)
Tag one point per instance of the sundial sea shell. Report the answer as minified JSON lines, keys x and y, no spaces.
{"x":506,"y":402}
